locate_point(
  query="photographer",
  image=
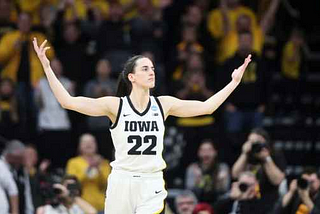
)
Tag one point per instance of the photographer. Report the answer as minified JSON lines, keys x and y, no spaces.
{"x":244,"y":197}
{"x":303,"y":195}
{"x":259,"y":157}
{"x":66,"y":199}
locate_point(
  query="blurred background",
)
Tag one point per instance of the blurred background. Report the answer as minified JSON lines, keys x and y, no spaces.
{"x":267,"y":130}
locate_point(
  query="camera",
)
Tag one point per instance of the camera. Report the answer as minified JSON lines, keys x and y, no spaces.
{"x":243,"y":187}
{"x":74,"y":189}
{"x":303,"y":183}
{"x":257,"y":147}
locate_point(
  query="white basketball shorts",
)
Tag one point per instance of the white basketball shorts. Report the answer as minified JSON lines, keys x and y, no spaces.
{"x":135,"y":193}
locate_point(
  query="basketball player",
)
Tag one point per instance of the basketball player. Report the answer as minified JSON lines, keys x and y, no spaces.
{"x":135,"y":185}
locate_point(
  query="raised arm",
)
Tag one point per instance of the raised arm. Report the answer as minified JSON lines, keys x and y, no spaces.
{"x":105,"y":106}
{"x":268,"y":18}
{"x":190,"y":108}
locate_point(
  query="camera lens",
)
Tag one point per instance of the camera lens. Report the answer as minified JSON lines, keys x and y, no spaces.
{"x":243,"y":187}
{"x":57,"y":191}
{"x":302,"y":183}
{"x":257,"y":147}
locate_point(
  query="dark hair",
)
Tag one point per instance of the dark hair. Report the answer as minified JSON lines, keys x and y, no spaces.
{"x":261,"y":132}
{"x":124,"y":84}
{"x":69,"y":177}
{"x":244,"y":32}
{"x":311,"y":170}
{"x":209,"y":141}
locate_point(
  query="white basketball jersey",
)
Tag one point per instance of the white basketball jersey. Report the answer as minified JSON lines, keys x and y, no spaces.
{"x":138,"y":137}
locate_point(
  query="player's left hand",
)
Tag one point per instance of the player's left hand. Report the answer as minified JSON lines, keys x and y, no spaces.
{"x":238,"y":73}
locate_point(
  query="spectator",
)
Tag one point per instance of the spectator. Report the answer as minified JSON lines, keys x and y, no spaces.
{"x":52,"y":116}
{"x":21,"y":65}
{"x":96,"y":12}
{"x":223,"y":18}
{"x":228,"y":44}
{"x":9,"y":195}
{"x":6,"y":24}
{"x":54,"y":123}
{"x":185,"y":202}
{"x":195,"y":17}
{"x":147,"y":29}
{"x":243,"y":113}
{"x":203,"y":208}
{"x":68,"y":200}
{"x":8,"y":109}
{"x":37,"y":175}
{"x":259,"y":157}
{"x":208,"y":178}
{"x":303,"y":195}
{"x":101,"y":85}
{"x":13,"y":159}
{"x":194,"y":84}
{"x":194,"y":129}
{"x":188,"y":45}
{"x":47,"y":16}
{"x":111,"y":34}
{"x":72,"y":45}
{"x":244,"y":197}
{"x":31,"y":7}
{"x":91,"y":170}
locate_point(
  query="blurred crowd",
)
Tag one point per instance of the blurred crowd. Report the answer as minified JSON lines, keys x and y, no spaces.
{"x":50,"y":166}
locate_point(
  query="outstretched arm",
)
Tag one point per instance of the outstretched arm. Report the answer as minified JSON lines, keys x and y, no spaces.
{"x":190,"y":108}
{"x":105,"y":106}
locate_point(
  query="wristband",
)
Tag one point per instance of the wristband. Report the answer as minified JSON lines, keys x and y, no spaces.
{"x":268,"y":159}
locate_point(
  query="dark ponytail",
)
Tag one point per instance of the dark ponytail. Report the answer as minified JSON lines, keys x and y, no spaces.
{"x":124,"y":85}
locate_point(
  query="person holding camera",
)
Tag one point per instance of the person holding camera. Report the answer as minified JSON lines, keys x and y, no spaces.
{"x":66,"y":199}
{"x":259,"y":157}
{"x":303,"y":196}
{"x":243,"y":198}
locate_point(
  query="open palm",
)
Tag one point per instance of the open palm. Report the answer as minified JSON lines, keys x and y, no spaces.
{"x":41,"y":52}
{"x":238,"y":73}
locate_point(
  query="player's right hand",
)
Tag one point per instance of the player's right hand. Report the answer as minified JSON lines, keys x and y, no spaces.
{"x":41,"y":52}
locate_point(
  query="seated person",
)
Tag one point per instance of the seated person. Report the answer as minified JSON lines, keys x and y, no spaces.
{"x":67,"y":199}
{"x":259,"y":157}
{"x":243,"y":198}
{"x":208,"y":178}
{"x":303,"y":195}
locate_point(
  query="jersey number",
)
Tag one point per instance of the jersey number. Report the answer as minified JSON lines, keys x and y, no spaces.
{"x":138,"y":143}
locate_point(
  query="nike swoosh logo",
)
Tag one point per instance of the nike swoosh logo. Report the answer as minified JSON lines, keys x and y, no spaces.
{"x":126,"y":115}
{"x":157,"y":192}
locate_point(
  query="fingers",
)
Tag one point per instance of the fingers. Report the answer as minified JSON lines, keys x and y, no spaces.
{"x":35,"y":44}
{"x":45,"y":49}
{"x":43,"y":44}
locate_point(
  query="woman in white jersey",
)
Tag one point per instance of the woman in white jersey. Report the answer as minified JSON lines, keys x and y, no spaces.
{"x":135,"y":185}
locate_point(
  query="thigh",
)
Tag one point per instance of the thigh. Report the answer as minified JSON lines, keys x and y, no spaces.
{"x":118,"y":199}
{"x":153,"y":197}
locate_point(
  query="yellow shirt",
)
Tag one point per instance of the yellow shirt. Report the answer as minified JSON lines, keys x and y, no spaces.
{"x":134,"y":12}
{"x":32,"y":7}
{"x":94,"y":183}
{"x":215,"y":20}
{"x":10,"y":56}
{"x":229,"y":44}
{"x":290,"y":68}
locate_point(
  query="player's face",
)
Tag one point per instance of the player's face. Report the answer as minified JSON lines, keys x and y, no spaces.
{"x":144,"y":74}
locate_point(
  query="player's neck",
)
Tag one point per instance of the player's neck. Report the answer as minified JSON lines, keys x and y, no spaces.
{"x":140,"y":99}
